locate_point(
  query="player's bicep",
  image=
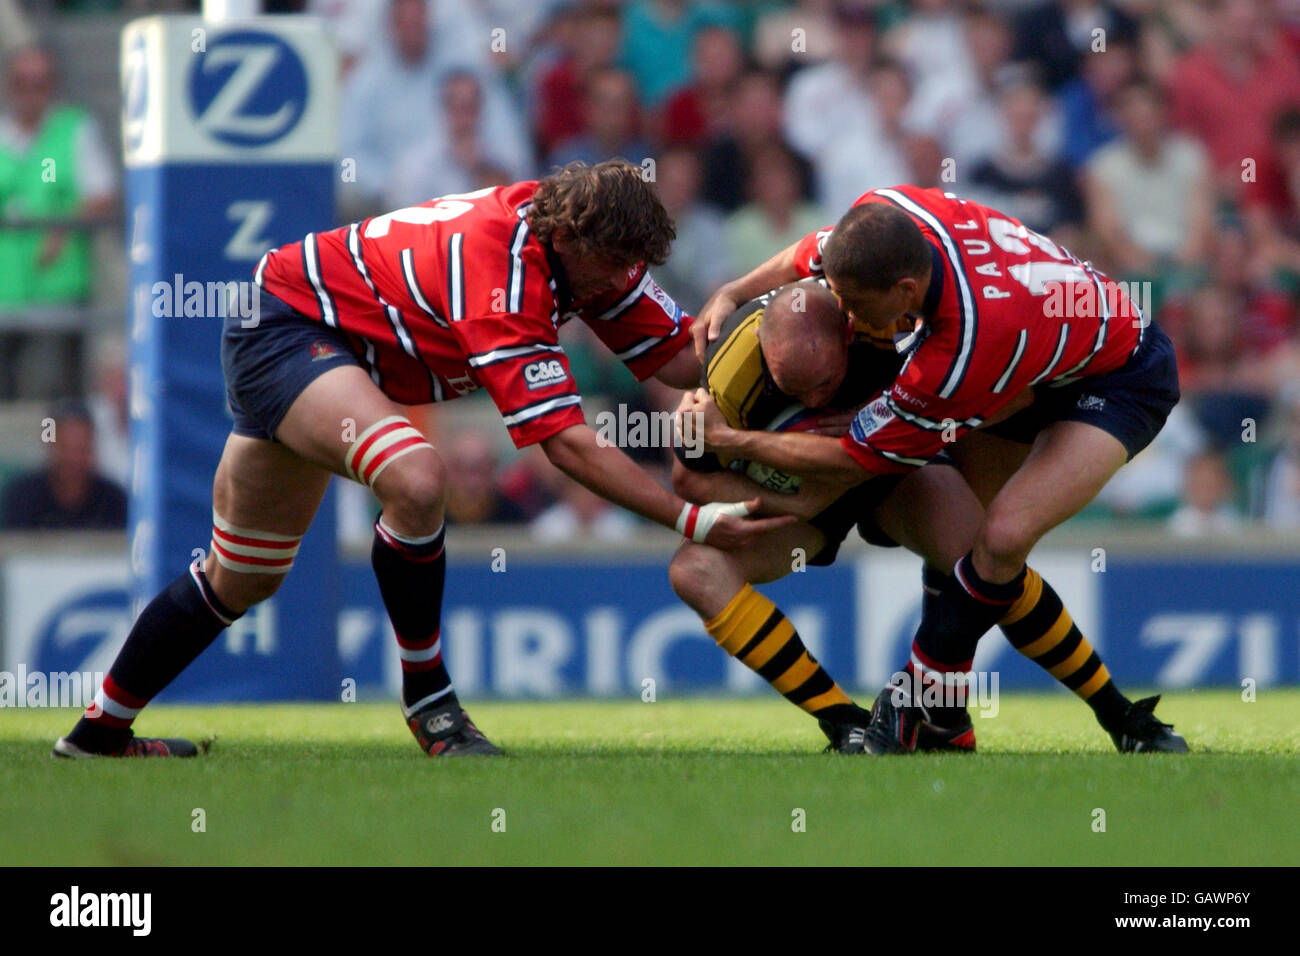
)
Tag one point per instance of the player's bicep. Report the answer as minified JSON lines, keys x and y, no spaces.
{"x":645,"y":330}
{"x":525,"y":371}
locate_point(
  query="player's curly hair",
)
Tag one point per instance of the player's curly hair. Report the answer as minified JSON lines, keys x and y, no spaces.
{"x":609,"y":209}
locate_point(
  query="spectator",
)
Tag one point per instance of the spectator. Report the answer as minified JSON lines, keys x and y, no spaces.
{"x":1272,"y":209}
{"x":1022,"y":180}
{"x":1267,"y":315}
{"x":920,"y":155}
{"x":1055,"y":34}
{"x":963,"y":114}
{"x":458,"y":28}
{"x":931,"y":44}
{"x":754,"y":123}
{"x":582,"y":515}
{"x":1152,"y":483}
{"x":1088,"y":103}
{"x":454,"y":157}
{"x":110,"y":411}
{"x":530,"y":481}
{"x":1221,"y":381}
{"x":388,"y":101}
{"x":658,"y":36}
{"x":1149,"y":194}
{"x":832,"y":118}
{"x":54,"y":168}
{"x":1207,"y":507}
{"x":699,"y":110}
{"x":473,"y":494}
{"x":1277,"y":482}
{"x":15,"y":32}
{"x":1163,"y":39}
{"x":68,"y":493}
{"x":698,"y":265}
{"x":1227,"y":91}
{"x":1210,"y":353}
{"x":612,"y":122}
{"x":588,"y":38}
{"x":385,"y":98}
{"x":776,"y":215}
{"x":788,"y":39}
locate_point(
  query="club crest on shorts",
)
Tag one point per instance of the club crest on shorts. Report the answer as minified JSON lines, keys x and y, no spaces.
{"x":322,"y":350}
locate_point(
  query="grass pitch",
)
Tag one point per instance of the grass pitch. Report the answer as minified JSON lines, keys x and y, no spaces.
{"x":673,"y":782}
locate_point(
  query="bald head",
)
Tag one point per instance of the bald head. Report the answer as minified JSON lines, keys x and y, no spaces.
{"x":801,"y":309}
{"x":805,"y":339}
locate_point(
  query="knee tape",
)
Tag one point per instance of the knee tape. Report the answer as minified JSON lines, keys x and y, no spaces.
{"x":247,"y":551}
{"x":379,"y":446}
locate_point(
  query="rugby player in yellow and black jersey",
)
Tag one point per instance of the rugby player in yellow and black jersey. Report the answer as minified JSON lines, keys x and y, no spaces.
{"x":827,"y":372}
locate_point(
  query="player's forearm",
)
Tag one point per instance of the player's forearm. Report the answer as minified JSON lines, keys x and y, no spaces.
{"x":775,"y":272}
{"x":701,"y":487}
{"x":608,"y":472}
{"x":816,"y":456}
{"x":682,"y":370}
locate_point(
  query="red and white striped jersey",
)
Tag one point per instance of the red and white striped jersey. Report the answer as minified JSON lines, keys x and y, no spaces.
{"x":455,"y":294}
{"x":1007,"y":309}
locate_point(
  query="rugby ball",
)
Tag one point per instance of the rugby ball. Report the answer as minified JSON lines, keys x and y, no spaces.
{"x":794,"y":418}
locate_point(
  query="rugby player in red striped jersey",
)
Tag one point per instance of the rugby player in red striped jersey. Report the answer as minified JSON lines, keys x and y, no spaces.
{"x":424,"y":304}
{"x":1037,"y":372}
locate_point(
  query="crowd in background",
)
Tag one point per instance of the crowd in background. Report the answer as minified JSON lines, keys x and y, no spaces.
{"x":1158,"y":138}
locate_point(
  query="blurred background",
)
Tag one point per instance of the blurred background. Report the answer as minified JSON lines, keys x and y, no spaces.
{"x":1158,"y":138}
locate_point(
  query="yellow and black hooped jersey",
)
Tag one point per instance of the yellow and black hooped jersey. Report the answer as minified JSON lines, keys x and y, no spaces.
{"x":738,"y":380}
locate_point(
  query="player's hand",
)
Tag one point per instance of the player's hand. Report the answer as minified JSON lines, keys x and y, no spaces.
{"x":708,"y":323}
{"x":699,"y":421}
{"x":725,"y":525}
{"x":836,"y":426}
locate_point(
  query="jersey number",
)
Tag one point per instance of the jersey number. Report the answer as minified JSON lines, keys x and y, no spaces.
{"x":1035,"y":276}
{"x":448,"y":207}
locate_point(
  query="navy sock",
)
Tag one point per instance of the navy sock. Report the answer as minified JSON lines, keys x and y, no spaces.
{"x":956,"y":611}
{"x":173,"y":629}
{"x":411,"y":573}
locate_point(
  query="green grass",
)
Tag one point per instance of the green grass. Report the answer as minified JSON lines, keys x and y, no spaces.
{"x":690,"y":781}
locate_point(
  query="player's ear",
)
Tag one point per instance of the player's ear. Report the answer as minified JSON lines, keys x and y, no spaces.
{"x":562,"y":240}
{"x":906,"y":287}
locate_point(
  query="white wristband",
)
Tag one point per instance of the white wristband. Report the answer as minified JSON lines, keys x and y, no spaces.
{"x":696,"y":521}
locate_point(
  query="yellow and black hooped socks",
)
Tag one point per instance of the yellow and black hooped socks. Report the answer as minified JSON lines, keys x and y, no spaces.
{"x":754,"y":631}
{"x":1039,"y":626}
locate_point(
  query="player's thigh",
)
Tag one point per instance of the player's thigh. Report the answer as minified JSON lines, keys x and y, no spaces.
{"x":264,"y":497}
{"x":1068,"y":465}
{"x":781,"y":551}
{"x":987,"y":462}
{"x":341,"y":421}
{"x":933,"y":513}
